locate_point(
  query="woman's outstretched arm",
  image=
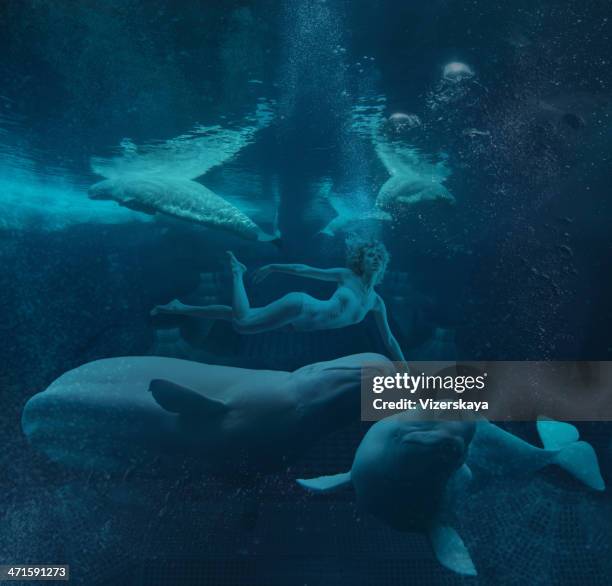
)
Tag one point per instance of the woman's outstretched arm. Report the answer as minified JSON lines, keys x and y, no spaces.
{"x":302,"y":271}
{"x":380,"y":314}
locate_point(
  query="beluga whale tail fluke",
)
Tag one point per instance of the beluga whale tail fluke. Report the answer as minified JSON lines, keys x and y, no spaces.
{"x":160,"y":177}
{"x":576,"y":457}
{"x":350,"y":207}
{"x":348,"y":215}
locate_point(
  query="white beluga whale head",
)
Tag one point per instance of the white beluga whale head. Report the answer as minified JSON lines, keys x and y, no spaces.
{"x":338,"y":384}
{"x":348,"y":371}
{"x":124,"y":189}
{"x":126,"y":193}
{"x":355,"y":368}
{"x":417,"y":458}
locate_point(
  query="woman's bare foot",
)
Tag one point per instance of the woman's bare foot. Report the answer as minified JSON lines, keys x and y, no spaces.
{"x":237,"y":267}
{"x":175,"y":306}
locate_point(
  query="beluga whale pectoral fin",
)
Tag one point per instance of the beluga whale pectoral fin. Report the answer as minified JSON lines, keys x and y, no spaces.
{"x":185,"y":401}
{"x":326,"y":483}
{"x":450,"y":550}
{"x":460,"y":480}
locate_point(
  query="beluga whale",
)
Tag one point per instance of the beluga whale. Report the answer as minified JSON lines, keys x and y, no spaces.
{"x":416,"y":183}
{"x":160,"y":178}
{"x":413,"y":474}
{"x":228,"y":422}
{"x":416,"y":180}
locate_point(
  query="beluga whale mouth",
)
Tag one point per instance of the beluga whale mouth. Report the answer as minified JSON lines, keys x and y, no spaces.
{"x":161,"y":177}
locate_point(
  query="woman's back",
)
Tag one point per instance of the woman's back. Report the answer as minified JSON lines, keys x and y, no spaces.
{"x":347,"y":306}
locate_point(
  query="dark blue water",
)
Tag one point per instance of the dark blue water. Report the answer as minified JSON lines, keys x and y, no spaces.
{"x":518,"y":132}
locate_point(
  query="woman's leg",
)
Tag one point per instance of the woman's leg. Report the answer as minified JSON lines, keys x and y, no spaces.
{"x":252,"y":320}
{"x":240,"y":301}
{"x":273,"y":316}
{"x":247,"y":320}
{"x":175,"y":307}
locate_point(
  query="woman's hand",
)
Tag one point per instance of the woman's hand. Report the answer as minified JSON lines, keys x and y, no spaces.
{"x":262,"y":272}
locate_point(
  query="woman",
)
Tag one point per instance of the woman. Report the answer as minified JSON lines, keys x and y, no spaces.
{"x":353,"y":299}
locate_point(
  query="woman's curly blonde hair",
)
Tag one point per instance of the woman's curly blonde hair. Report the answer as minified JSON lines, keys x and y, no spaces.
{"x":355,"y":252}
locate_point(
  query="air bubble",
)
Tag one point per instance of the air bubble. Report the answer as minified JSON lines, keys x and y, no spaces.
{"x":401,"y":121}
{"x":456,"y":72}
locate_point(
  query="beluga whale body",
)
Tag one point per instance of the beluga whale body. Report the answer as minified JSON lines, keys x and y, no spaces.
{"x":416,"y":182}
{"x":414,"y":474}
{"x":160,"y":178}
{"x":231,"y":422}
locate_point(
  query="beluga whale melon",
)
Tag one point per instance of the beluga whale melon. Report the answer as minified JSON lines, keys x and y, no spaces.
{"x":160,"y":178}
